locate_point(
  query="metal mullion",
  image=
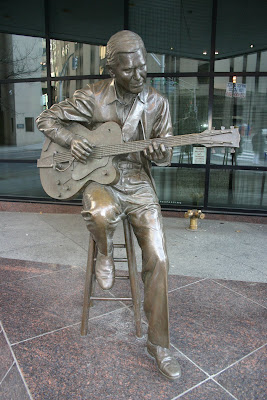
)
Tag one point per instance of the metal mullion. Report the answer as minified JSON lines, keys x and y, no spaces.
{"x":47,"y":44}
{"x":126,"y":14}
{"x":25,"y":80}
{"x":211,"y":96}
{"x":204,"y":74}
{"x":21,"y":160}
{"x":77,"y":78}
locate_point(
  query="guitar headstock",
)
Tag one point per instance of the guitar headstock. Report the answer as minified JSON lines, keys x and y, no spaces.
{"x":220,"y":138}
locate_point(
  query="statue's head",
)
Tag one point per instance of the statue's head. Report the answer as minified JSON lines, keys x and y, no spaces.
{"x":126,"y":61}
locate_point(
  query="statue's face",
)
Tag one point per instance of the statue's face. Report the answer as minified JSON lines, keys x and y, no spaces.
{"x":130,"y":71}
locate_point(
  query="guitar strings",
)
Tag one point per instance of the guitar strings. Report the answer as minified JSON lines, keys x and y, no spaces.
{"x":128,"y":147}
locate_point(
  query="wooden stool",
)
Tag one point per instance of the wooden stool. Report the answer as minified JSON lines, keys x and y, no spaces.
{"x":133,"y":277}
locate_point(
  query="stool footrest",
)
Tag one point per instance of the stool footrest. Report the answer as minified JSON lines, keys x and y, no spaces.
{"x":112,"y":298}
{"x":120,"y":259}
{"x":122,"y":277}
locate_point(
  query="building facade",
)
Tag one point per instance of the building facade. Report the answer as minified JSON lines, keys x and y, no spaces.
{"x":208,"y":57}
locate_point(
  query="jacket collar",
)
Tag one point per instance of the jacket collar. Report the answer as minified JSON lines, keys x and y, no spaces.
{"x":112,"y":94}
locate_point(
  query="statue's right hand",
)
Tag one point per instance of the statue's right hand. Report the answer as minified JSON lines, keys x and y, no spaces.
{"x":81,"y":149}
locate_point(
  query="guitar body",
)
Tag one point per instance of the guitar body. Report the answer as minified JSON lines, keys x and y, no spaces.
{"x":62,"y":177}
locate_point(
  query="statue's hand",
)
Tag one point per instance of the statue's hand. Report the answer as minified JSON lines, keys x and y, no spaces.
{"x":81,"y":149}
{"x":155,"y":152}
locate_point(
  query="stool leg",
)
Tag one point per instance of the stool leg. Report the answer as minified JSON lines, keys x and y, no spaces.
{"x":133,"y":277}
{"x":88,"y":286}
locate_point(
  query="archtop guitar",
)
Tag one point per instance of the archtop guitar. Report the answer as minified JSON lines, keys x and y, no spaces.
{"x":62,"y":176}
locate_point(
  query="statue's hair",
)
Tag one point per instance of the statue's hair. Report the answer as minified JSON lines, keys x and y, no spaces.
{"x":123,"y":42}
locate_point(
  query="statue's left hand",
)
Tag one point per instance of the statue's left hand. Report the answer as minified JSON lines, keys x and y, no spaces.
{"x":155,"y":152}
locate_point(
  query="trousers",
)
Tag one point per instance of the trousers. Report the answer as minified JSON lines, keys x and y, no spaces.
{"x":134,"y":197}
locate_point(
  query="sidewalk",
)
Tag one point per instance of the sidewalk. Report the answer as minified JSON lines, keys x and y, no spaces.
{"x":217,"y":304}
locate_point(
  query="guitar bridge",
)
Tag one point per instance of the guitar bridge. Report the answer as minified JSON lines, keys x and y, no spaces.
{"x":60,"y":160}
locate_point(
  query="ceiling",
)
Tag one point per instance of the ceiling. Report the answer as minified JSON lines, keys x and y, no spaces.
{"x":178,"y":27}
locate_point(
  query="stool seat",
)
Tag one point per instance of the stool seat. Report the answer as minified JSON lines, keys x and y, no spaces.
{"x":133,"y":278}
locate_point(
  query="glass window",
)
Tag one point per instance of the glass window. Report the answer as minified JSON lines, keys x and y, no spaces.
{"x":176,"y":33}
{"x":244,"y":63}
{"x":241,"y":30}
{"x":26,"y":18}
{"x":263,"y":61}
{"x":21,"y":179}
{"x":22,"y":57}
{"x":245,"y":108}
{"x":20,"y":104}
{"x":237,"y":189}
{"x":188,"y":99}
{"x":72,"y":58}
{"x":62,"y":90}
{"x":86,"y":21}
{"x":180,"y":186}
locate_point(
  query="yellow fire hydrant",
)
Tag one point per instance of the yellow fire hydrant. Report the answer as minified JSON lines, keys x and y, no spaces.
{"x":194,"y":215}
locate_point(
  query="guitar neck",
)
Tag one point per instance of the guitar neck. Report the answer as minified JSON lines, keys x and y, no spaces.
{"x":139,"y":145}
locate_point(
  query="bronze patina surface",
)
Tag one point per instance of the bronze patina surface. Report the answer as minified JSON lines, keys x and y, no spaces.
{"x":142,"y":113}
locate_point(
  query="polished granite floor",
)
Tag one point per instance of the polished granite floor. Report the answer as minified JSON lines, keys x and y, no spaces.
{"x":218,"y":334}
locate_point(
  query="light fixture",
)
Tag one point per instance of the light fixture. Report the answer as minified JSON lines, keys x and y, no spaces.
{"x":252,"y":45}
{"x":205,"y":53}
{"x":216,"y":52}
{"x":234,"y":79}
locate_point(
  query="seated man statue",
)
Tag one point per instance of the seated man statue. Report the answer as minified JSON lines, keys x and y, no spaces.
{"x":142,"y":113}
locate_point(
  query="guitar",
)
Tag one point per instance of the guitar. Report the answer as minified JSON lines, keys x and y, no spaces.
{"x":62,"y":176}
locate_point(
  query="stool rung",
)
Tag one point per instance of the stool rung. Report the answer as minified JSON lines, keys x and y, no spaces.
{"x":122,"y":277}
{"x":120,"y":260}
{"x":112,"y":298}
{"x":119,"y":246}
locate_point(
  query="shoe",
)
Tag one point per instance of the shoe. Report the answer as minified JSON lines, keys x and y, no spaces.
{"x":105,"y":271}
{"x":167,"y":364}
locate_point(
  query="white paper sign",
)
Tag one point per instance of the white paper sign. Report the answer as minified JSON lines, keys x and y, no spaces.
{"x":199,"y":155}
{"x":236,"y":90}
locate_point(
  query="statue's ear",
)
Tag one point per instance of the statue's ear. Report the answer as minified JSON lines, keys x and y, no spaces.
{"x":111,"y":72}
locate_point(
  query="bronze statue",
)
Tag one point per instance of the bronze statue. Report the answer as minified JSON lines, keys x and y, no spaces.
{"x":133,"y":119}
{"x":142,"y":113}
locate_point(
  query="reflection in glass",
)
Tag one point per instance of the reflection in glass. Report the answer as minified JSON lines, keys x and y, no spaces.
{"x":180,"y":186}
{"x":245,"y":109}
{"x":237,"y":189}
{"x":22,"y":57}
{"x":176,"y":33}
{"x":19,"y":136}
{"x":62,"y":90}
{"x":188,"y":99}
{"x":21,"y":179}
{"x":72,"y":58}
{"x":240,"y":41}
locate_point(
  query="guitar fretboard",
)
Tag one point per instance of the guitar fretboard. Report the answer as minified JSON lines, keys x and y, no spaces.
{"x":98,"y":152}
{"x":171,"y":141}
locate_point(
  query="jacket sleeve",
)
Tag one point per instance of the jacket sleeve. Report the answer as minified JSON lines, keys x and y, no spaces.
{"x":53,"y":122}
{"x":162,"y":127}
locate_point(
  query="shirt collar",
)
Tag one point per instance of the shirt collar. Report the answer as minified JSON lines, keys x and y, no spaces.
{"x":112,"y":94}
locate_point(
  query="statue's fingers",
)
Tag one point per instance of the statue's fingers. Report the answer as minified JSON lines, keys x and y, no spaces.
{"x":146,"y":154}
{"x":78,"y":156}
{"x":162,"y":148}
{"x":151,"y":149}
{"x":87,"y":146}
